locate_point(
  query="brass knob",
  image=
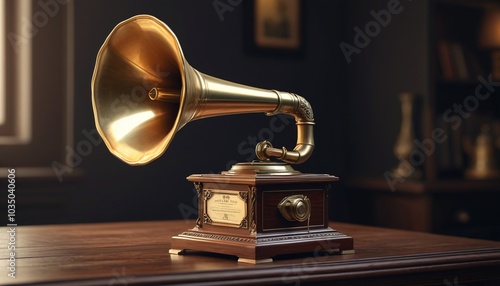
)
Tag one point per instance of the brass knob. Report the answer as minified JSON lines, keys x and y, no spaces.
{"x":295,"y":208}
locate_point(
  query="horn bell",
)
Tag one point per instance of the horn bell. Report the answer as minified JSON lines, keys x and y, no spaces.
{"x":139,"y":54}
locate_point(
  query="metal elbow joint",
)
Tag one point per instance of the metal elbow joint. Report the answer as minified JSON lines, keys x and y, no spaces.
{"x":298,"y":107}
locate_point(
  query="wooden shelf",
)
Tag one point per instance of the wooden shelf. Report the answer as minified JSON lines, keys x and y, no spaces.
{"x":423,"y":187}
{"x":458,"y":207}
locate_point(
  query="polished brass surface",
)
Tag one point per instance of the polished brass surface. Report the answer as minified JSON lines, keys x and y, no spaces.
{"x":295,"y":208}
{"x":144,"y":91}
{"x":261,"y":167}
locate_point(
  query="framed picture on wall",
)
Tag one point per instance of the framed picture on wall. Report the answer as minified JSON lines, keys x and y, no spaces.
{"x":275,"y":26}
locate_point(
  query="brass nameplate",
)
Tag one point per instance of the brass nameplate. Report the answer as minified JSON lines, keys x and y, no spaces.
{"x":224,"y":207}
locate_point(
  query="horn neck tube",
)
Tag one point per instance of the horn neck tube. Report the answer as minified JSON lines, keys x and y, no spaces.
{"x":208,"y":96}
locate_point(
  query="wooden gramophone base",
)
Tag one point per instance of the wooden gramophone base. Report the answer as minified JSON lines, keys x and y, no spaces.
{"x":261,"y":250}
{"x":260,"y":216}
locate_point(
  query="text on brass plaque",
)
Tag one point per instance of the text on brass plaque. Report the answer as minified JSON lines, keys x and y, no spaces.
{"x":225,"y":207}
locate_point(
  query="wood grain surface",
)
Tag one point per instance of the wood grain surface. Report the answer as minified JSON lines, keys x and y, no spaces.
{"x":136,"y":253}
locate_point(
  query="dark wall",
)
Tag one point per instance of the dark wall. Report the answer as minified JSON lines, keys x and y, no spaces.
{"x":355,"y":103}
{"x":394,"y":59}
{"x":112,"y":190}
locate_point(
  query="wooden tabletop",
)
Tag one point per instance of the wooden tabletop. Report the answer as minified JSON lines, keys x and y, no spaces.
{"x":136,"y":253}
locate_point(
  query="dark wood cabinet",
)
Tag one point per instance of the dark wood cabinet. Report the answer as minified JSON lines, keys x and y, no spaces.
{"x":446,"y":207}
{"x":458,"y":96}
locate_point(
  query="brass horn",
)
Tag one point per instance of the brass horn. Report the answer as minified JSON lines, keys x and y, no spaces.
{"x":144,"y":91}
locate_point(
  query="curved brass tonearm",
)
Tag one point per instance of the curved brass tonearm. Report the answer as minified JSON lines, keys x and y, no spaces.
{"x":297,"y":106}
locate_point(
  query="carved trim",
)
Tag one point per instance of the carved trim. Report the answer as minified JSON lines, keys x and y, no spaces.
{"x":305,"y":109}
{"x":303,"y":236}
{"x":207,"y":194}
{"x":244,"y":223}
{"x":206,"y":219}
{"x":253,"y":205}
{"x":267,"y":239}
{"x":218,"y":237}
{"x":244,"y":196}
{"x":198,"y":186}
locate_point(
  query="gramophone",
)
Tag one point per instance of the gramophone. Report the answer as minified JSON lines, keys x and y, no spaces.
{"x":144,"y":91}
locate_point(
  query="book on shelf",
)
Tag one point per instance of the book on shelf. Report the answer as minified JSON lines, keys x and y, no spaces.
{"x":458,"y":62}
{"x":450,"y":152}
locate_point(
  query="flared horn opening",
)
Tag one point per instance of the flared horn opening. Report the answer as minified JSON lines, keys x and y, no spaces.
{"x":141,"y":54}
